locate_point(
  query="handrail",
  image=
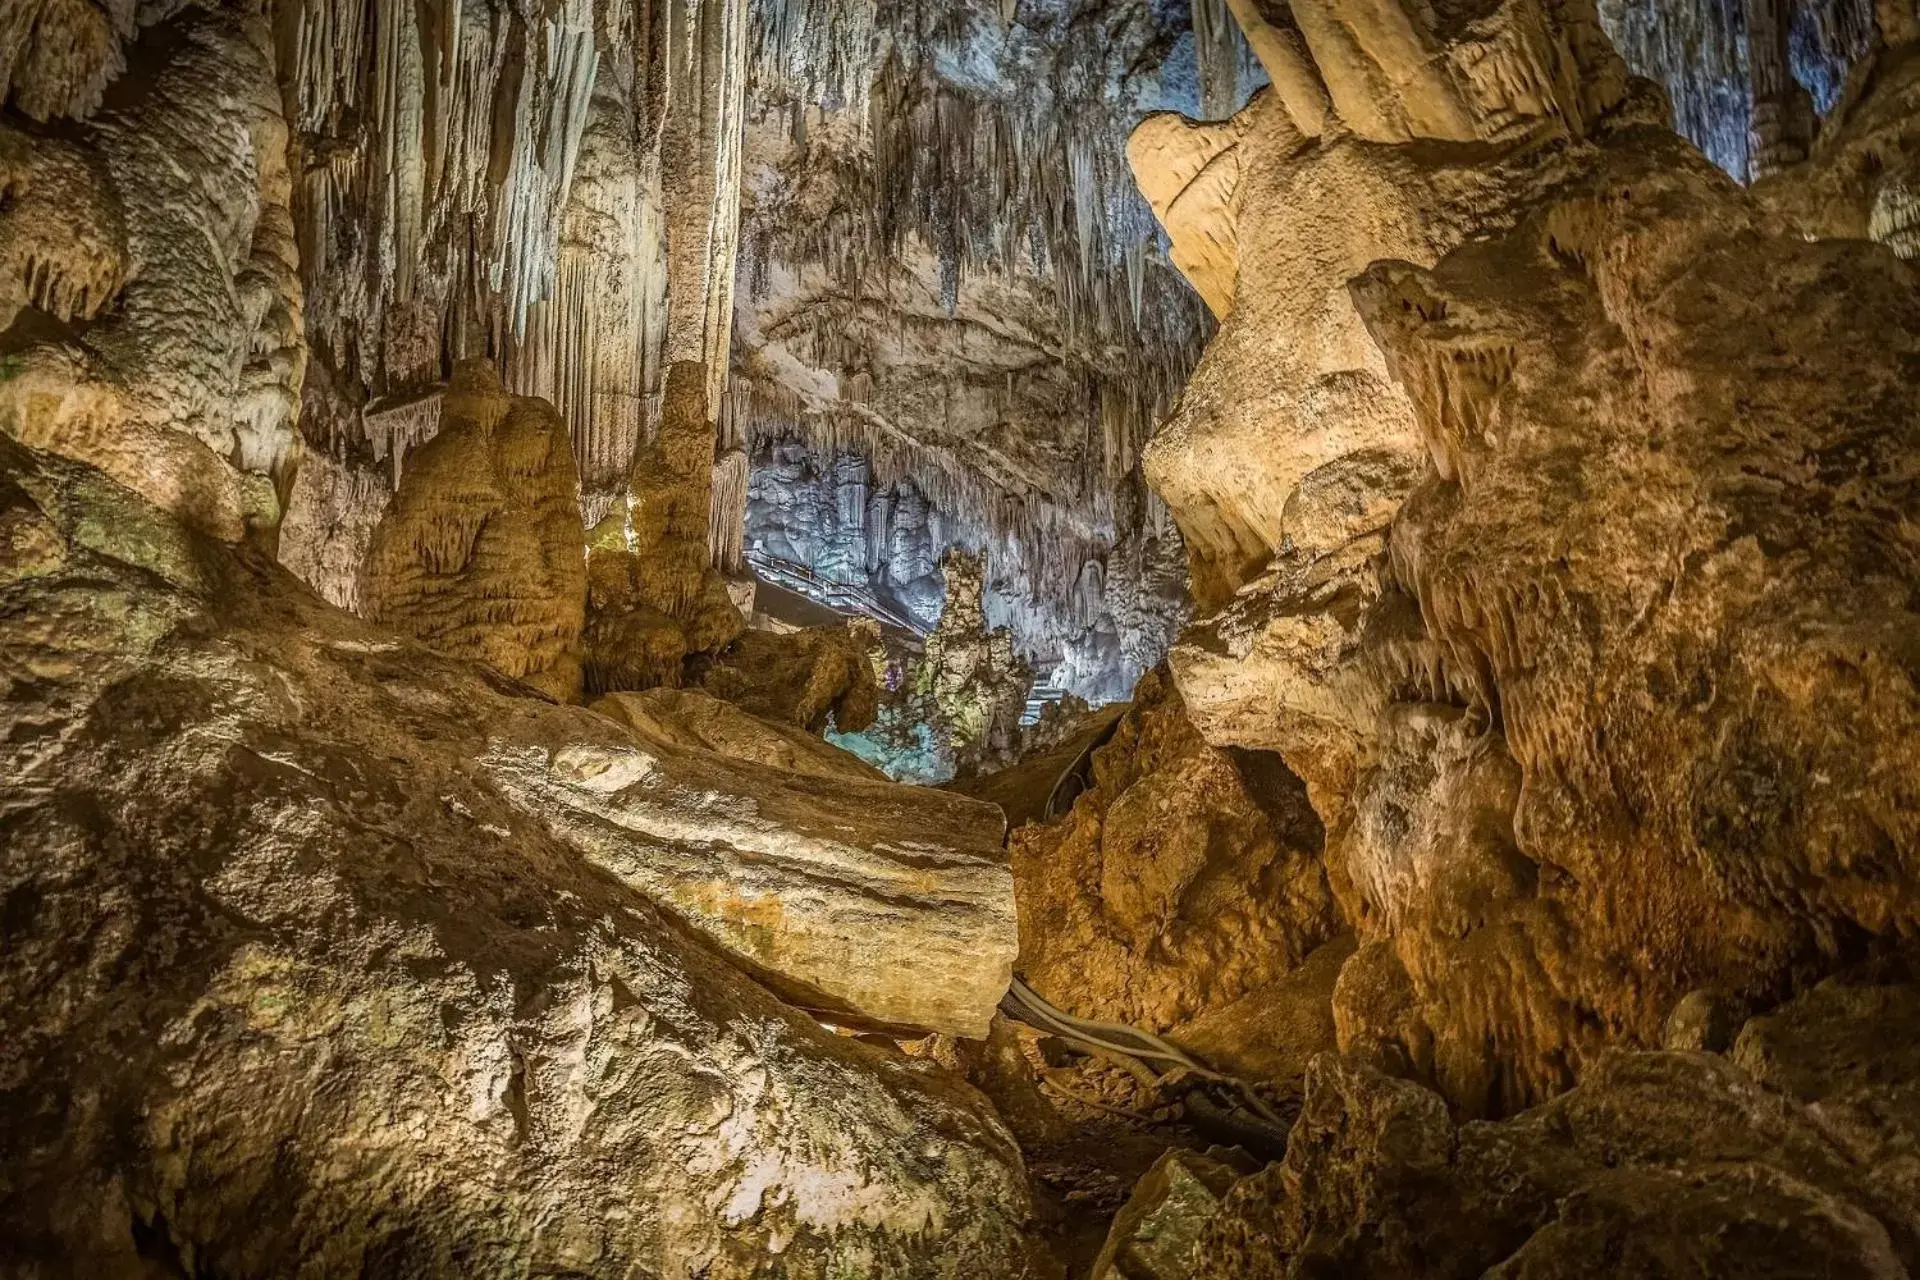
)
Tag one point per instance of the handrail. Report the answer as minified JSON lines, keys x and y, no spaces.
{"x":845,"y":596}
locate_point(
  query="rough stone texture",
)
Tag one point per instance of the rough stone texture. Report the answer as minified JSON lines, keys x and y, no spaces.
{"x":654,"y":597}
{"x":812,"y":677}
{"x":858,"y":897}
{"x":1656,"y":1165}
{"x":1154,"y":1236}
{"x":57,"y":56}
{"x":1863,"y":181}
{"x":294,"y":988}
{"x":480,"y":555}
{"x":1272,"y":1032}
{"x":1701,"y":669}
{"x":1184,"y":878}
{"x":969,"y":683}
{"x":150,"y":263}
{"x":1566,"y":573}
{"x":690,"y":718}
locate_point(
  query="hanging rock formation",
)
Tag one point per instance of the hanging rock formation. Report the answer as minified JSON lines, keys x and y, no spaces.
{"x":299,"y":982}
{"x":946,"y":274}
{"x":480,"y":555}
{"x":148,"y":260}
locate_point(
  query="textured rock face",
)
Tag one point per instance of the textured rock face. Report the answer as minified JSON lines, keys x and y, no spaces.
{"x":811,"y":677}
{"x":1794,"y":1158}
{"x":147,"y":263}
{"x":296,"y":987}
{"x":1863,"y":181}
{"x":654,"y":597}
{"x":947,"y":274}
{"x":969,"y":683}
{"x":1702,"y":668}
{"x":480,"y":555}
{"x":1562,"y":573}
{"x":851,"y":895}
{"x":1186,"y":877}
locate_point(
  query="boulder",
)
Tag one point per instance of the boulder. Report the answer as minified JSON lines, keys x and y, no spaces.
{"x":296,"y":985}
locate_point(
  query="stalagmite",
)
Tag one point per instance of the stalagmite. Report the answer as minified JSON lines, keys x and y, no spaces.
{"x":480,"y":555}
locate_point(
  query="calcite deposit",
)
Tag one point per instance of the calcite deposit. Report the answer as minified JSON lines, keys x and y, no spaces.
{"x":311,"y":969}
{"x":1383,"y":535}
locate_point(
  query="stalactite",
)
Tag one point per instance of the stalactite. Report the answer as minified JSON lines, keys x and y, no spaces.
{"x":1217,"y":55}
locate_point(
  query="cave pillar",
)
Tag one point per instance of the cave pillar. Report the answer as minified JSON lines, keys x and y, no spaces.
{"x":700,"y":164}
{"x":1782,"y":124}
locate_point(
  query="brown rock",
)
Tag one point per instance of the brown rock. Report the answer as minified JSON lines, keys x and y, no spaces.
{"x":810,"y":677}
{"x":690,"y":718}
{"x":1154,"y":1235}
{"x":480,"y":555}
{"x":1185,"y":878}
{"x":654,"y":597}
{"x":1656,"y":1165}
{"x":295,"y":988}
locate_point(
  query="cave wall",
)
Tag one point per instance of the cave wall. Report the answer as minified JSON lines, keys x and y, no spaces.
{"x":947,"y":273}
{"x":1529,"y":487}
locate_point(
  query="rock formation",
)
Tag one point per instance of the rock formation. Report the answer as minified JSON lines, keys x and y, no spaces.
{"x":654,"y":597}
{"x":1507,"y":864}
{"x":815,"y":677}
{"x":480,"y":555}
{"x":149,"y":264}
{"x":1184,"y":878}
{"x":299,"y":982}
{"x":1784,"y":1158}
{"x":1509,"y":561}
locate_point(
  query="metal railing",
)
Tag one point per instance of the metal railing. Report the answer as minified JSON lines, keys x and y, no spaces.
{"x":845,"y":597}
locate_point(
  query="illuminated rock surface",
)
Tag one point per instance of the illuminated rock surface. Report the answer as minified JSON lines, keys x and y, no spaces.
{"x":295,"y":986}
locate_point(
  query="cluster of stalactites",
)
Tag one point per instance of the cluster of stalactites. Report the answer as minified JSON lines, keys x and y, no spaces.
{"x":1055,"y":574}
{"x":1722,"y":61}
{"x":1032,"y":184}
{"x":499,"y":177}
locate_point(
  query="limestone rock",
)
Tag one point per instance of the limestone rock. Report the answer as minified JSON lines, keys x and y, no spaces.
{"x":57,"y":56}
{"x":810,"y":677}
{"x":295,"y":988}
{"x":969,"y":678}
{"x":1700,"y":668}
{"x":1863,"y":179}
{"x":861,"y":898}
{"x":1271,"y":1033}
{"x":654,"y":596}
{"x":152,"y":284}
{"x":1657,"y":1164}
{"x":1187,"y":876}
{"x":1190,"y":174}
{"x":480,"y":555}
{"x":1155,"y":1234}
{"x":690,"y":718}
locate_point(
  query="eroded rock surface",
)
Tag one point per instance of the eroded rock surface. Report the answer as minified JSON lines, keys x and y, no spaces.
{"x":480,"y":555}
{"x":1187,"y":876}
{"x":1561,"y":572}
{"x":296,"y":987}
{"x":1657,"y":1165}
{"x":149,"y":259}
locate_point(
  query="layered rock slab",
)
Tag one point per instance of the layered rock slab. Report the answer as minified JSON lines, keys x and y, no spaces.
{"x":296,"y":988}
{"x":857,"y":897}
